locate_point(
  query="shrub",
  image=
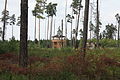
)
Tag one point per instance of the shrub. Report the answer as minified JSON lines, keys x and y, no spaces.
{"x":105,"y":42}
{"x":108,"y":43}
{"x":8,"y":46}
{"x":3,"y":47}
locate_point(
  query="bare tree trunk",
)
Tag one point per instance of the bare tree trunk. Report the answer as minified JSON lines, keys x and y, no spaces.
{"x":62,"y":31}
{"x":48,"y":28}
{"x":54,"y":26}
{"x":85,"y":28}
{"x":75,"y":39}
{"x":90,"y":21}
{"x":78,"y":19}
{"x":39,"y":33}
{"x":23,"y":56}
{"x":97,"y":25}
{"x":118,"y":33}
{"x":12,"y":31}
{"x":62,"y":26}
{"x":66,"y":23}
{"x":39,"y":30}
{"x":90,"y":35}
{"x":71,"y":29}
{"x":51,"y":27}
{"x":45,"y":29}
{"x":35,"y":29}
{"x":3,"y":35}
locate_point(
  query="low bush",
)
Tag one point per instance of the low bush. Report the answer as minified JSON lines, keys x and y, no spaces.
{"x":108,"y":43}
{"x":50,"y":52}
{"x":9,"y":46}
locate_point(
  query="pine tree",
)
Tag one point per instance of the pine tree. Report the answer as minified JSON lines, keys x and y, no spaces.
{"x":23,"y":56}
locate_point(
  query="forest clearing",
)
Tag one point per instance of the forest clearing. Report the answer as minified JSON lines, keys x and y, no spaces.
{"x":59,"y":40}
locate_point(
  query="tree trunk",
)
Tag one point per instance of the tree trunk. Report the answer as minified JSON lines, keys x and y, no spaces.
{"x":3,"y":35}
{"x":51,"y":27}
{"x":35,"y":29}
{"x":118,"y":33}
{"x":90,"y":34}
{"x":71,"y":35}
{"x":75,"y":39}
{"x":85,"y":28}
{"x":39,"y":33}
{"x":97,"y":25}
{"x":62,"y":26}
{"x":62,"y":30}
{"x":23,"y":56}
{"x":66,"y":23}
{"x":12,"y":31}
{"x":48,"y":28}
{"x":71,"y":29}
{"x":90,"y":24}
{"x":78,"y":19}
{"x":54,"y":27}
{"x":39,"y":30}
{"x":45,"y":29}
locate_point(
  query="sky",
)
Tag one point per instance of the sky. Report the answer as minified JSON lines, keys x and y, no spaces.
{"x":108,"y":10}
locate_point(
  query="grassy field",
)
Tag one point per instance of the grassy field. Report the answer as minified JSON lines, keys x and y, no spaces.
{"x":49,"y":52}
{"x":62,"y":64}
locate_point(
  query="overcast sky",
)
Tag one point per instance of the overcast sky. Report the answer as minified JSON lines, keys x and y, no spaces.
{"x":108,"y":10}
